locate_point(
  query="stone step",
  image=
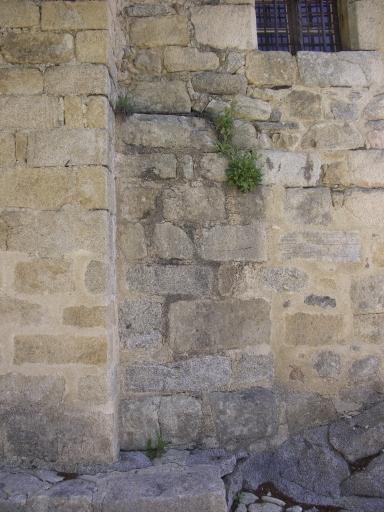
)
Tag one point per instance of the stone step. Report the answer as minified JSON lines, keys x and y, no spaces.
{"x":165,"y":488}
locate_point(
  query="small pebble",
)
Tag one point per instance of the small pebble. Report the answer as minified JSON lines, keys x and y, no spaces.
{"x":271,"y":499}
{"x":296,"y":508}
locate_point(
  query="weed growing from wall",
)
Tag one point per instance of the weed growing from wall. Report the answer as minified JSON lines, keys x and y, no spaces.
{"x":123,"y":105}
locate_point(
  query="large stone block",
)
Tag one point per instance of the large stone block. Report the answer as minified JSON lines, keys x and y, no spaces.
{"x":23,"y":112}
{"x":136,"y":202}
{"x":244,"y":417}
{"x":210,"y":373}
{"x":365,"y":207}
{"x":225,"y":26}
{"x":19,"y":14}
{"x":37,"y":48}
{"x":251,"y":109}
{"x":367,"y":294}
{"x":171,"y":242}
{"x":313,"y":329}
{"x":77,"y":79}
{"x":282,"y":279}
{"x":20,"y":81}
{"x":308,"y":206}
{"x":375,"y":109}
{"x":364,"y":169}
{"x":93,"y":46}
{"x":333,"y":246}
{"x":132,"y":243}
{"x":169,"y":97}
{"x":47,"y":349}
{"x":180,"y":419}
{"x":369,"y":328}
{"x":139,"y":422}
{"x":74,"y":16}
{"x":96,"y":276}
{"x":160,"y":31}
{"x":212,"y":326}
{"x":83,"y":316}
{"x":68,"y":147}
{"x":18,"y":312}
{"x":219,"y":83}
{"x":78,"y":494}
{"x":290,"y":169}
{"x":170,"y":132}
{"x":271,"y":68}
{"x":213,"y":167}
{"x":234,"y":243}
{"x":333,"y":135}
{"x":141,"y":323}
{"x":303,"y":105}
{"x":250,"y":370}
{"x":342,"y":69}
{"x":44,"y":276}
{"x":52,"y":188}
{"x":147,"y":166}
{"x":365,"y":23}
{"x":7,"y":149}
{"x":196,"y":204}
{"x":189,"y":59}
{"x":170,"y":279}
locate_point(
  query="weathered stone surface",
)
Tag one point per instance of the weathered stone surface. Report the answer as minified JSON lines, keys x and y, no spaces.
{"x":335,"y":246}
{"x":141,"y":10}
{"x":149,"y":62}
{"x":308,"y":206}
{"x":197,"y":204}
{"x":146,"y":166}
{"x":207,"y":373}
{"x":7,"y":149}
{"x":364,"y":169}
{"x":160,"y":31}
{"x":136,"y":202}
{"x":172,"y":242}
{"x":225,"y":26}
{"x":369,"y":328}
{"x":21,"y":113}
{"x":166,"y":97}
{"x":73,"y":112}
{"x":19,"y":312}
{"x":141,"y":323}
{"x":342,"y":69}
{"x":93,"y":389}
{"x":16,"y":489}
{"x":37,"y":48}
{"x":247,"y":208}
{"x":271,"y":68}
{"x":365,"y":206}
{"x":95,"y":278}
{"x":375,"y":108}
{"x":170,"y":279}
{"x":282,"y":279}
{"x":20,"y":81}
{"x":290,"y":169}
{"x":68,"y":146}
{"x":132,"y":242}
{"x":313,"y":329}
{"x":322,"y":301}
{"x":77,"y":494}
{"x":78,"y":16}
{"x":180,"y":419}
{"x":303,"y":104}
{"x":244,"y":417}
{"x":171,"y":132}
{"x":77,"y":79}
{"x":60,"y":350}
{"x":363,"y":369}
{"x":305,"y":410}
{"x":327,"y":364}
{"x":251,"y":109}
{"x":245,"y":136}
{"x":367,"y":294}
{"x":138,"y":421}
{"x":250,"y":370}
{"x":333,"y":135}
{"x":189,"y":59}
{"x":213,"y":167}
{"x":211,"y":326}
{"x":19,"y":14}
{"x":359,"y":436}
{"x":369,"y":482}
{"x":238,"y":243}
{"x":219,"y":83}
{"x":83,"y":316}
{"x":93,"y":46}
{"x":44,"y":276}
{"x":98,"y":112}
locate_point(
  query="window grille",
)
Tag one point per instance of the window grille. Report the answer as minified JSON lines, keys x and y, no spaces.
{"x":294,"y":25}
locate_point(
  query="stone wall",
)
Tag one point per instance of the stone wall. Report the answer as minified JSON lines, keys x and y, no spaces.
{"x":245,"y":317}
{"x":57,"y":315}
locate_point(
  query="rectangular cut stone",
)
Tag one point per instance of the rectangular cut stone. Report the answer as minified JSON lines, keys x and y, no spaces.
{"x":42,"y":276}
{"x":52,"y":188}
{"x":333,"y":246}
{"x":22,"y":112}
{"x":160,"y":31}
{"x":170,"y":279}
{"x":308,"y":206}
{"x":98,"y":113}
{"x":225,"y":26}
{"x":234,"y":243}
{"x":139,"y":421}
{"x":251,"y":370}
{"x":76,"y":80}
{"x":180,"y":418}
{"x":20,"y":81}
{"x":171,"y":96}
{"x":83,"y":316}
{"x":363,"y":169}
{"x":93,"y":46}
{"x":37,"y":48}
{"x":219,"y":83}
{"x":212,"y":326}
{"x":189,"y":59}
{"x":148,"y":166}
{"x":367,"y":294}
{"x":68,"y":146}
{"x":341,"y":69}
{"x":208,"y":373}
{"x":141,"y":324}
{"x":75,"y":15}
{"x":313,"y":330}
{"x":366,"y":22}
{"x":271,"y":68}
{"x":19,"y":14}
{"x":169,"y":132}
{"x":333,"y":135}
{"x":365,"y":207}
{"x":19,"y":312}
{"x":7,"y":150}
{"x":290,"y":169}
{"x":45,"y":349}
{"x":369,"y":328}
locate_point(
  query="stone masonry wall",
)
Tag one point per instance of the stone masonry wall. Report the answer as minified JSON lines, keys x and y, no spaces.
{"x":58,"y":345}
{"x":245,"y":317}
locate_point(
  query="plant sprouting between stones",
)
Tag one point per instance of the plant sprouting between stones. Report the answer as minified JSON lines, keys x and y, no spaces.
{"x":156,"y":449}
{"x":123,"y":105}
{"x":243,"y":169}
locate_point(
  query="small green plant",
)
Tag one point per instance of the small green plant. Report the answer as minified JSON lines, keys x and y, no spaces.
{"x":156,"y":449}
{"x":123,"y":105}
{"x":243,"y":169}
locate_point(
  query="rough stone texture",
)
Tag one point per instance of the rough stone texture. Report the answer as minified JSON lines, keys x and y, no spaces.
{"x":67,"y":16}
{"x":303,"y":206}
{"x":369,"y":328}
{"x":218,"y":83}
{"x":77,"y":80}
{"x":161,"y":97}
{"x":333,"y":136}
{"x":272,"y":68}
{"x":367,"y":294}
{"x":189,"y":59}
{"x":161,"y":31}
{"x":311,"y":329}
{"x":291,"y":169}
{"x":368,"y":482}
{"x":172,"y":242}
{"x":20,"y":81}
{"x":22,"y":113}
{"x":37,"y":48}
{"x":140,"y":323}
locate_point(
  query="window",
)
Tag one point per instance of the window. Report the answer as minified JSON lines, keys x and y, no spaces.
{"x":293,"y":25}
